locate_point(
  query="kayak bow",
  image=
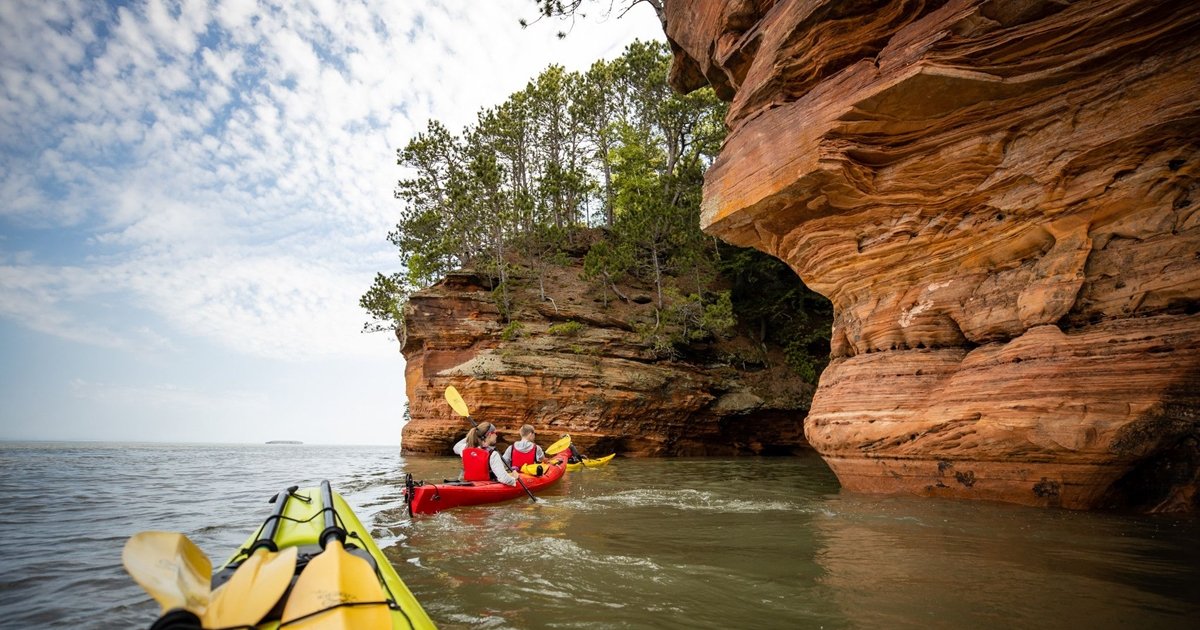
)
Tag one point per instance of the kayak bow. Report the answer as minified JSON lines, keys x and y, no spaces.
{"x":589,"y":462}
{"x":341,"y":579}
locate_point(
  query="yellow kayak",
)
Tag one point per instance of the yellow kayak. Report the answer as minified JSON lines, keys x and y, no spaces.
{"x":311,"y":565}
{"x":586,"y":462}
{"x":591,"y":462}
{"x":302,"y":525}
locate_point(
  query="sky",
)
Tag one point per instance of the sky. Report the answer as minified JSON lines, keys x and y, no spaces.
{"x":194,"y":194}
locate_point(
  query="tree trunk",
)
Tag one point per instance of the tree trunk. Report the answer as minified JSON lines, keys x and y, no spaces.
{"x":657,"y":274}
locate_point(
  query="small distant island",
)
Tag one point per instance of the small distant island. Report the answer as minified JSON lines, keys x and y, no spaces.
{"x":285,"y":442}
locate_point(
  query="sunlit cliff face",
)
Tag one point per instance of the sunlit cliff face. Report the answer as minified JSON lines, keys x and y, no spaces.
{"x":1001,"y":201}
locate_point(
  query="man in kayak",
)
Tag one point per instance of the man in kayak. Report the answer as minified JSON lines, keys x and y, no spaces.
{"x":481,"y":462}
{"x":523,"y":452}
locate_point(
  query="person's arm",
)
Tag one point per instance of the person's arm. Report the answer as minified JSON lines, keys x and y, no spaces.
{"x":458,"y":448}
{"x":507,"y":457}
{"x":540,"y":454}
{"x":498,"y":469}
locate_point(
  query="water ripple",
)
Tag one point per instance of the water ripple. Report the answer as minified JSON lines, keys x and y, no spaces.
{"x":763,"y":543}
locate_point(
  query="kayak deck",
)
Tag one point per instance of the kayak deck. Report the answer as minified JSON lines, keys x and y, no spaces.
{"x":301,"y":525}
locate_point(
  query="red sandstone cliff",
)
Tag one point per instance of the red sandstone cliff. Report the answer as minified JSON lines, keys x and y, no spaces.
{"x":1001,"y":200}
{"x":602,"y":384}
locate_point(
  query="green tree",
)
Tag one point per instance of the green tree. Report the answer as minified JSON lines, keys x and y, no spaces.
{"x":427,"y":235}
{"x":384,"y":302}
{"x":606,"y":261}
{"x":774,"y":301}
{"x":519,"y":190}
{"x":596,"y":107}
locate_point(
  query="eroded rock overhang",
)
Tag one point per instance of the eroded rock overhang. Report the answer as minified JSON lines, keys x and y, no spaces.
{"x":1001,"y":201}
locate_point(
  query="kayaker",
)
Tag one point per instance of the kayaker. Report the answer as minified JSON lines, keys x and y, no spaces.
{"x":525,"y":451}
{"x":481,"y":462}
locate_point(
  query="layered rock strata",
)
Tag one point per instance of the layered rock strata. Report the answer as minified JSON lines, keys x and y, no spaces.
{"x":1000,"y":198}
{"x":596,"y":379}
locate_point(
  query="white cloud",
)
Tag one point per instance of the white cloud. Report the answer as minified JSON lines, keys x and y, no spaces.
{"x":48,"y":299}
{"x":163,"y":395}
{"x":239,"y":187}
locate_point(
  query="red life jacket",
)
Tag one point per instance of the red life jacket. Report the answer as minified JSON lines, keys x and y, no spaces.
{"x":475,"y":464}
{"x":519,"y":459}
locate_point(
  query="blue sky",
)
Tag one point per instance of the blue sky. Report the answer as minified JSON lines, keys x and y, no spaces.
{"x":193,"y":195}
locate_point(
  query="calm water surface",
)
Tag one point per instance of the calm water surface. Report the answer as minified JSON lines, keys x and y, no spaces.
{"x":696,"y":543}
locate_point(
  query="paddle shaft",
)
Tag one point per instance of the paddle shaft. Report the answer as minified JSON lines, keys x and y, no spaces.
{"x":333,"y":581}
{"x":524,"y":487}
{"x":332,"y":530}
{"x":266,"y":540}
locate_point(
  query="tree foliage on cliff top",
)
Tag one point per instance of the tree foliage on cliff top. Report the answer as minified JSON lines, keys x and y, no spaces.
{"x":613,"y":151}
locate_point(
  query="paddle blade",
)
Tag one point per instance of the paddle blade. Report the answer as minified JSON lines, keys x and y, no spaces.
{"x":559,"y":446}
{"x":171,"y":568}
{"x":456,"y":402}
{"x":330,"y":580}
{"x":252,"y":591}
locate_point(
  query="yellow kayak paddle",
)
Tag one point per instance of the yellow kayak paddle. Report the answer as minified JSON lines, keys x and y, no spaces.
{"x":337,"y":590}
{"x":172,"y":569}
{"x":177,"y":574}
{"x":252,"y":591}
{"x":457,"y":403}
{"x":559,"y":446}
{"x":259,"y":581}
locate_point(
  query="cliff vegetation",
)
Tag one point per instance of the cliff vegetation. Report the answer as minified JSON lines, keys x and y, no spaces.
{"x":575,"y":206}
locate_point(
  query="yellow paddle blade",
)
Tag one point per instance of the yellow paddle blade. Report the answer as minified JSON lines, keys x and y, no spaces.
{"x":559,"y":446}
{"x":171,"y":568}
{"x":252,"y":591}
{"x":333,"y":578}
{"x":456,"y":402}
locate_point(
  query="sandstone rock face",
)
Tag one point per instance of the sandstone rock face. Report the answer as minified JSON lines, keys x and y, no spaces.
{"x":1000,"y":198}
{"x":601,"y":384}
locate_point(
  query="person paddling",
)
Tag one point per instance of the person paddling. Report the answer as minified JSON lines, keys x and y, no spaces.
{"x":481,"y":462}
{"x":526,"y":451}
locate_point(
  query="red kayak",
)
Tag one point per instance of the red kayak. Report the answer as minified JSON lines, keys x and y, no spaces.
{"x":424,"y":497}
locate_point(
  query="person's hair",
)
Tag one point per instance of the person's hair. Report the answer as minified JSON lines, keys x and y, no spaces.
{"x":479,"y":433}
{"x":527,"y":430}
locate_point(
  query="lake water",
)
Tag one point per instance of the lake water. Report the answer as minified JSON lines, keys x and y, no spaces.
{"x":669,"y":543}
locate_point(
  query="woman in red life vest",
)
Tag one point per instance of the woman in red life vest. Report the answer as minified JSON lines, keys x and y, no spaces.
{"x":525,"y":451}
{"x":481,"y":462}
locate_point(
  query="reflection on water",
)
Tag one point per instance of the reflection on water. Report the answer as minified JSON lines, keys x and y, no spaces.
{"x":730,"y":543}
{"x":952,"y":564}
